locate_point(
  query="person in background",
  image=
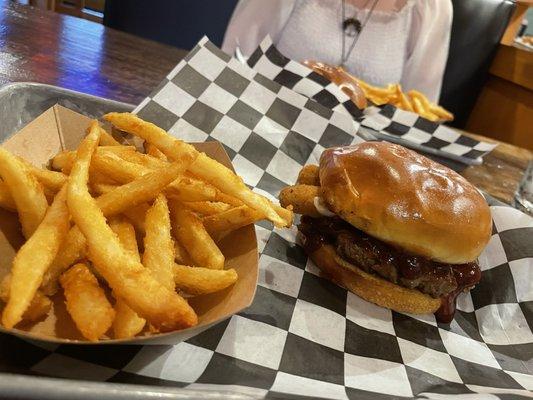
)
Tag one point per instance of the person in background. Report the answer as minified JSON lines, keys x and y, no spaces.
{"x":379,"y":41}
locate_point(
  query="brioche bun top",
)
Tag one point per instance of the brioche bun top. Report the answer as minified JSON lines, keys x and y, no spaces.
{"x":406,"y":200}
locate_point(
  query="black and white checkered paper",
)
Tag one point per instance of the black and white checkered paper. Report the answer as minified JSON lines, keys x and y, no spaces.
{"x":303,"y":335}
{"x":385,"y":123}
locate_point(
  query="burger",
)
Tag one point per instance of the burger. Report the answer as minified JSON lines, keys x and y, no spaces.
{"x":392,"y":226}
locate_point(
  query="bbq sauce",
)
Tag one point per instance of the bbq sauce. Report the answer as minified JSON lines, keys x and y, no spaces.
{"x":466,"y":275}
{"x":318,"y":231}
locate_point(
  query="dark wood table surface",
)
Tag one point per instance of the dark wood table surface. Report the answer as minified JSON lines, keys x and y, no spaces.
{"x":45,"y":47}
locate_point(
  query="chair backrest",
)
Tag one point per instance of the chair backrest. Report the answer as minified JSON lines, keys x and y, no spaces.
{"x":180,"y":23}
{"x":478,"y":26}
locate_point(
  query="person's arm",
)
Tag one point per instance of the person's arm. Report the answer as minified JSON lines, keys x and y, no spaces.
{"x":428,"y":44}
{"x":252,"y":20}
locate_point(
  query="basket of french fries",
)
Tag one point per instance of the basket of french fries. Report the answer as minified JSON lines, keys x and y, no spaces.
{"x":112,"y":242}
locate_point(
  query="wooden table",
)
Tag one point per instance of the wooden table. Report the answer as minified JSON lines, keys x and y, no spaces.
{"x":45,"y":47}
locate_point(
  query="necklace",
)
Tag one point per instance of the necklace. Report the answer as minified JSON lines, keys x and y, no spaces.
{"x":353,"y":27}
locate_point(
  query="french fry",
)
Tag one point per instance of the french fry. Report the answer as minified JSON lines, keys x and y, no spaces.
{"x":128,"y":279}
{"x":144,"y":159}
{"x":207,"y":207}
{"x":302,"y":198}
{"x":25,"y":190}
{"x":136,"y":215}
{"x":117,"y":168}
{"x":154,"y":151}
{"x":34,"y":258}
{"x":198,"y":281}
{"x":309,"y":176}
{"x":63,"y":161}
{"x":190,"y":232}
{"x":441,"y":112}
{"x":126,"y":234}
{"x":127,"y":323}
{"x":106,"y":139}
{"x":159,"y":250}
{"x":187,"y":188}
{"x":202,"y":166}
{"x":182,"y":255}
{"x":6,"y":200}
{"x":39,"y":306}
{"x":111,"y":203}
{"x":230,"y":220}
{"x":101,"y":187}
{"x":138,"y":191}
{"x":223,"y":178}
{"x":420,"y":109}
{"x":225,"y":198}
{"x":86,"y":302}
{"x":71,"y":250}
{"x":51,"y":180}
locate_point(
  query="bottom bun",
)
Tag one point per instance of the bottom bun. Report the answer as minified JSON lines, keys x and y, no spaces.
{"x":370,"y":287}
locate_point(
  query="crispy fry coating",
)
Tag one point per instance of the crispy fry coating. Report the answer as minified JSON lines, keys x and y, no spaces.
{"x":309,"y":176}
{"x":301,"y":197}
{"x":86,"y":302}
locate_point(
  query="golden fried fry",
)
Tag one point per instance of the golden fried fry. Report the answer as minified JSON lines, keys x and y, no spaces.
{"x":198,"y":281}
{"x":121,"y":199}
{"x":117,"y":168}
{"x":159,"y":250}
{"x":207,"y":207}
{"x":441,"y":112}
{"x":51,"y":180}
{"x":230,"y":220}
{"x":190,"y":232}
{"x":127,"y":323}
{"x":309,"y":176}
{"x":86,"y":302}
{"x":154,"y":151}
{"x":128,"y":279}
{"x":202,"y":166}
{"x":225,"y":198}
{"x":188,"y":188}
{"x":63,"y":161}
{"x":419,"y":108}
{"x":100,"y":188}
{"x":126,"y":234}
{"x":34,"y":258}
{"x":71,"y":250}
{"x":144,"y":159}
{"x":39,"y":306}
{"x":182,"y":255}
{"x":302,"y":198}
{"x":138,"y":191}
{"x":136,"y":215}
{"x":106,"y":139}
{"x":25,"y":190}
{"x":6,"y":200}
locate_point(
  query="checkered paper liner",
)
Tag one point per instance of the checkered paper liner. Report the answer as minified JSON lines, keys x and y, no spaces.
{"x":386,"y":123}
{"x":303,"y":335}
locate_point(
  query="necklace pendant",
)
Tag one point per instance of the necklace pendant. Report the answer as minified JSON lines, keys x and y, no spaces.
{"x":351,"y":27}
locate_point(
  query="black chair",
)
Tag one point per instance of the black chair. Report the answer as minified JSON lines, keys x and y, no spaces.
{"x":179,"y":23}
{"x":478,"y":26}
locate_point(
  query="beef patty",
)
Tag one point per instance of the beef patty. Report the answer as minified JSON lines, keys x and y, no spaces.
{"x":374,"y":256}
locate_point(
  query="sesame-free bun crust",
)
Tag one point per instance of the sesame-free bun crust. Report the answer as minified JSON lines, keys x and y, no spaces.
{"x":371,"y":287}
{"x":406,"y":200}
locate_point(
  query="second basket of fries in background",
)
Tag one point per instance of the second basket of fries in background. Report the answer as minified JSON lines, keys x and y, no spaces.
{"x":111,"y":244}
